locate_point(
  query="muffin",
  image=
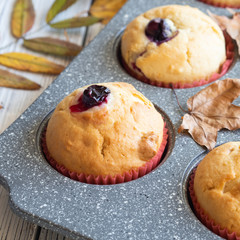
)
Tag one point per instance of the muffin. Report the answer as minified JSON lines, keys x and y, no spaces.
{"x":217,"y":188}
{"x":107,"y":130}
{"x":223,"y":3}
{"x":173,"y":46}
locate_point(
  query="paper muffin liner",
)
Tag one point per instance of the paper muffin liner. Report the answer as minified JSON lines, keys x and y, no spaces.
{"x":205,"y":220}
{"x":222,"y":5}
{"x":105,"y":180}
{"x":223,"y":70}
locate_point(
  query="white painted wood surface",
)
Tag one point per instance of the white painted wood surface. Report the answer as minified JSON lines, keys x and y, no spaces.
{"x":14,"y":102}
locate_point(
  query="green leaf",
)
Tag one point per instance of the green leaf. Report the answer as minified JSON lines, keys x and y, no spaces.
{"x":52,"y":46}
{"x":57,"y":7}
{"x":23,"y":17}
{"x":76,"y":22}
{"x":11,"y":80}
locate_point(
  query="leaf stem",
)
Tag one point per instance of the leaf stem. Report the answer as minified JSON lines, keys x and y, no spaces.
{"x":178,"y":101}
{"x":32,"y":32}
{"x":82,"y":13}
{"x":9,"y":44}
{"x":23,"y":37}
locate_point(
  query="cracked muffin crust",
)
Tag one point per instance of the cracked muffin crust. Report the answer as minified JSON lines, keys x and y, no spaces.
{"x":217,"y":186}
{"x":121,"y":134}
{"x":195,"y":51}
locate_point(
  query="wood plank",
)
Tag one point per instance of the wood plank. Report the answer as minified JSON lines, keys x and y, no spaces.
{"x":46,"y":234}
{"x":16,"y":101}
{"x":12,"y":226}
{"x":92,"y":32}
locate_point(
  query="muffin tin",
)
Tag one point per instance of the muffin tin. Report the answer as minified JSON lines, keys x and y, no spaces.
{"x":152,"y":207}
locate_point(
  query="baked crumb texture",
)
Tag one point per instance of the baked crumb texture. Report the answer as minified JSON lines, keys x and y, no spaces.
{"x":217,"y":187}
{"x":196,"y":53}
{"x":113,"y":138}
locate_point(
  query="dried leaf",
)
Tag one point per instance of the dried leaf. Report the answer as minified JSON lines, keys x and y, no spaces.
{"x":76,"y":22}
{"x":211,"y":110}
{"x":52,"y":46}
{"x":57,"y":7}
{"x":11,"y":80}
{"x":23,"y":16}
{"x":106,"y":9}
{"x":31,"y":63}
{"x":231,"y":25}
{"x":1,"y":107}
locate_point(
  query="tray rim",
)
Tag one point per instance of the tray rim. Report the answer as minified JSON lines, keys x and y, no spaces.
{"x":6,"y":184}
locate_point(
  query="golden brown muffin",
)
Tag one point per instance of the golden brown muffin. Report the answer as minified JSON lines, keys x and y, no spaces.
{"x":217,"y":186}
{"x":192,"y":49}
{"x":121,"y":134}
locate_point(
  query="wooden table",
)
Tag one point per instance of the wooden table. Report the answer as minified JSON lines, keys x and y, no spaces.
{"x":14,"y":102}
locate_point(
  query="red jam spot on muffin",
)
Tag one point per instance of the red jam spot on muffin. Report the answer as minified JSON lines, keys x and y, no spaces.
{"x":93,"y":96}
{"x":160,"y":30}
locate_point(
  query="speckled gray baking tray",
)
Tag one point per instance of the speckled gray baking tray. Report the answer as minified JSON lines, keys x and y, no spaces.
{"x":152,"y":207}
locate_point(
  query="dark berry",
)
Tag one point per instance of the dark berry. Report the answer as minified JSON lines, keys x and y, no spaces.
{"x":94,"y":95}
{"x":159,"y":31}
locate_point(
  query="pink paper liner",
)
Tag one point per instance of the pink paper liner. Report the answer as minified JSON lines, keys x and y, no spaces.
{"x":208,"y":222}
{"x":223,"y":70}
{"x":222,"y":5}
{"x":101,"y":180}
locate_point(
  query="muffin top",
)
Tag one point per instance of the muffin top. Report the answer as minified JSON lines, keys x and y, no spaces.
{"x":118,"y":134}
{"x":217,"y":185}
{"x":185,"y":46}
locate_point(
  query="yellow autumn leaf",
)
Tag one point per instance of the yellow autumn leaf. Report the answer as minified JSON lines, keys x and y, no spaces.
{"x":106,"y":9}
{"x":11,"y":80}
{"x":22,"y":19}
{"x":31,"y":63}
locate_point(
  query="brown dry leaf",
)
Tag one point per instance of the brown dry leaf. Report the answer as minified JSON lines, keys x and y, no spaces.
{"x":11,"y":80}
{"x":31,"y":63}
{"x":211,"y":110}
{"x":231,"y":25}
{"x":76,"y":22}
{"x":23,"y":16}
{"x":57,"y":7}
{"x":106,"y":9}
{"x":52,"y":46}
{"x":1,"y":107}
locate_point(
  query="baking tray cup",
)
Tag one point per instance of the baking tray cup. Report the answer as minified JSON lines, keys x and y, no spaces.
{"x":162,"y":154}
{"x":151,"y":207}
